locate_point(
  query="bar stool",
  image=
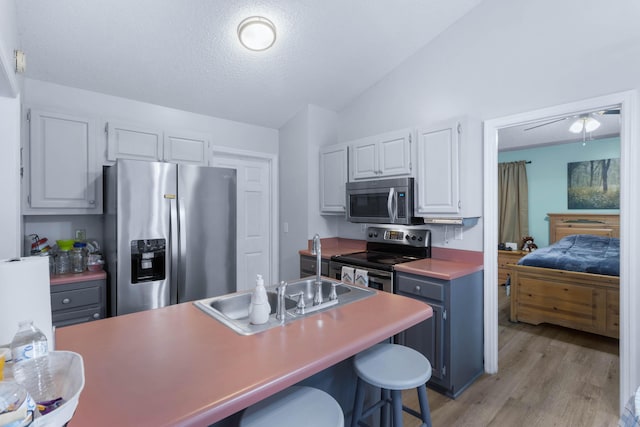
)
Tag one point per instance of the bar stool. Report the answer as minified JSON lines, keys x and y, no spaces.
{"x":391,"y":368}
{"x":293,"y":407}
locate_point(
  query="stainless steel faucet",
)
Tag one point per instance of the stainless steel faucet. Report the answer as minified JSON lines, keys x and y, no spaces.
{"x":316,"y":250}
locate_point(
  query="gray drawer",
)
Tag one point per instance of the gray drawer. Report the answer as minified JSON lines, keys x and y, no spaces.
{"x":77,"y":316}
{"x":66,"y":300}
{"x":421,"y":287}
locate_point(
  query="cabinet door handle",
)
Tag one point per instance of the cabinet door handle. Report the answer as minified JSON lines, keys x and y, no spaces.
{"x":66,"y":301}
{"x":417,"y":288}
{"x":92,"y":202}
{"x":96,"y":315}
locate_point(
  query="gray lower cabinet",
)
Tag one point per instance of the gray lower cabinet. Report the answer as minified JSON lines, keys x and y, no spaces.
{"x":452,"y":339}
{"x":79,"y":302}
{"x":308,"y":266}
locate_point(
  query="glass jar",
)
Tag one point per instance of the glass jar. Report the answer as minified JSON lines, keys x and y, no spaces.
{"x":77,"y":260}
{"x":63,"y":263}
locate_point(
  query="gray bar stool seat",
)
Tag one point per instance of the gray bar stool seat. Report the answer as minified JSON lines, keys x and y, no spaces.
{"x":293,"y":407}
{"x":391,"y":368}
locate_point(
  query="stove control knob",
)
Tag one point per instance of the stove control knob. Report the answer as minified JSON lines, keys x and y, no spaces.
{"x":408,"y":237}
{"x":413,"y":237}
{"x":370,"y":234}
{"x":375,"y":234}
{"x":420,"y":239}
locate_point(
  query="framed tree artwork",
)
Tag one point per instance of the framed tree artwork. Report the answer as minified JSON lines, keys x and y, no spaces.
{"x":594,"y":184}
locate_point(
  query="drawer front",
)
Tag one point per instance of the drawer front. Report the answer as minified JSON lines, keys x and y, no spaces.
{"x":77,"y":316}
{"x":421,"y":287}
{"x":66,"y":300}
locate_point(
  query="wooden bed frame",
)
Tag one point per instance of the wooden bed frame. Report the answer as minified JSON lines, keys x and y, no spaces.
{"x":584,"y":301}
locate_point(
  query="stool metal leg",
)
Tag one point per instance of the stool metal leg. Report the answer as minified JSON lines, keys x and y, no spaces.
{"x":424,"y":405}
{"x":384,"y":411}
{"x":396,"y":402}
{"x":358,"y":404}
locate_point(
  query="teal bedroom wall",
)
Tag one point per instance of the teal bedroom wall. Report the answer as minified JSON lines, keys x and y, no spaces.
{"x":547,"y":178}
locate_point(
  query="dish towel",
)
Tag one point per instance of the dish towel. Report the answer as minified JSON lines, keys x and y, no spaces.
{"x":362,"y":277}
{"x":347,"y":274}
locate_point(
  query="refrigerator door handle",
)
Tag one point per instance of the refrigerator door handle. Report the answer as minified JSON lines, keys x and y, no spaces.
{"x":182,"y":251}
{"x":173,"y":229}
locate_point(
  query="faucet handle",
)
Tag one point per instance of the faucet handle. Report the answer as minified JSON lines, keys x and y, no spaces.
{"x":333,"y":295}
{"x":300,"y":306}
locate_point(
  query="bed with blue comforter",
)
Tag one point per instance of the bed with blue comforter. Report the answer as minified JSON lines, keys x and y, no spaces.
{"x":572,"y":283}
{"x":579,"y":252}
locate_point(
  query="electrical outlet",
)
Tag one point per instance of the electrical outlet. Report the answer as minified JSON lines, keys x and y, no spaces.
{"x":457,"y":233}
{"x":363,"y":228}
{"x":285,"y":227}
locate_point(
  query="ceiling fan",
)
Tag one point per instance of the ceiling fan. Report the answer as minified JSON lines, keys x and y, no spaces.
{"x":587,"y":122}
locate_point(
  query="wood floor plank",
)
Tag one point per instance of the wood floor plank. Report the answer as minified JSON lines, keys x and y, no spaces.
{"x":548,"y":376}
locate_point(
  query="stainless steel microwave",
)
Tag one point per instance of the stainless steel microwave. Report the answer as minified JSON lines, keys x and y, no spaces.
{"x":383,"y":201}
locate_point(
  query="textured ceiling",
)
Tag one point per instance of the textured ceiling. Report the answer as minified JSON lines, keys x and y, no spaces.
{"x":185,"y":53}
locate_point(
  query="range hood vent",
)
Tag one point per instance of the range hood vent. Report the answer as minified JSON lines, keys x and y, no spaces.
{"x":465,"y":222}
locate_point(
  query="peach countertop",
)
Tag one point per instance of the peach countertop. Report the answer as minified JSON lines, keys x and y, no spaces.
{"x":332,"y":246}
{"x":176,"y":366}
{"x":446,"y":264}
{"x":60,"y":279}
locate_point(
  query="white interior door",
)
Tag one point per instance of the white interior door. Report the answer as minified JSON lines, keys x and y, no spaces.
{"x":254,"y":217}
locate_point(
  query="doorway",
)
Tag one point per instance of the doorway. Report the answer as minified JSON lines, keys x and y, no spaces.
{"x":256,"y":214}
{"x":630,"y":208}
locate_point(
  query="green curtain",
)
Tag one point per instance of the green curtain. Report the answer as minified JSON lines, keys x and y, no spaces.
{"x":513,"y":201}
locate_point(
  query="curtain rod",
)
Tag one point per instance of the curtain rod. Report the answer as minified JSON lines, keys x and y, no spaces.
{"x":526,"y":161}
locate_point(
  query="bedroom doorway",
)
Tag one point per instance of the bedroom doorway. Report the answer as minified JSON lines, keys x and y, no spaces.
{"x":629,"y":297}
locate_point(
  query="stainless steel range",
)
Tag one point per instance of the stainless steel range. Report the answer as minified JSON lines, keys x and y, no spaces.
{"x":386,"y":247}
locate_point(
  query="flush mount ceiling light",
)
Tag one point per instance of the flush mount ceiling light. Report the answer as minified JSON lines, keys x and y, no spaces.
{"x":584,"y":124}
{"x":257,"y":33}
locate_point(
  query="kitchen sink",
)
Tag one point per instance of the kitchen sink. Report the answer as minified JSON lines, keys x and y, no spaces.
{"x":232,"y":310}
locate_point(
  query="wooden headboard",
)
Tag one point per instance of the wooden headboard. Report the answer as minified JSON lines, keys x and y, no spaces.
{"x":561,"y":225}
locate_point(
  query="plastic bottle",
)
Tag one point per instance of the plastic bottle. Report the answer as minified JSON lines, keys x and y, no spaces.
{"x":30,"y":353}
{"x":16,"y":404}
{"x":260,"y":309}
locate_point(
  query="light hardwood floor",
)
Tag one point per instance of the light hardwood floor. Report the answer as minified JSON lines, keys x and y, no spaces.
{"x":548,"y":376}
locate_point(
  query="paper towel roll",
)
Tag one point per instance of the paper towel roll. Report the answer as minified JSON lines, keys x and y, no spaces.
{"x":24,"y":295}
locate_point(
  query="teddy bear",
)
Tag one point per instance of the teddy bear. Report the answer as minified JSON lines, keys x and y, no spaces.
{"x":528,"y":245}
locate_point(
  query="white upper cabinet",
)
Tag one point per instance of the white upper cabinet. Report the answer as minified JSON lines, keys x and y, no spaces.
{"x":381,"y":156}
{"x":333,"y":177}
{"x":438,"y":181}
{"x":186,"y":147}
{"x":128,"y":141}
{"x":63,"y":176}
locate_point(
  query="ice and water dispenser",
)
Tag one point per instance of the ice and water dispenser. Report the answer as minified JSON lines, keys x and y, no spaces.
{"x":148,"y":260}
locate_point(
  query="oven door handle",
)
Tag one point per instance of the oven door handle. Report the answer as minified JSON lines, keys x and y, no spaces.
{"x":378,"y":276}
{"x":390,"y":204}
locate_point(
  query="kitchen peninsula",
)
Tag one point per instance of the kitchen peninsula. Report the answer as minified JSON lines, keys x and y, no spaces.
{"x":176,"y":366}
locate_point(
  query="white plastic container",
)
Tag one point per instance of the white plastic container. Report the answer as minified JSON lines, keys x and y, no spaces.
{"x":260,"y":309}
{"x":67,"y":370}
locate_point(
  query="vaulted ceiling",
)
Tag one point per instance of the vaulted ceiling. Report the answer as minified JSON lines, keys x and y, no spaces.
{"x":185,"y":54}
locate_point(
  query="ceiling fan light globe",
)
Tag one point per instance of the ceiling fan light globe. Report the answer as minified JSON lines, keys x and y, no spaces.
{"x":591,"y":124}
{"x":576,"y":127}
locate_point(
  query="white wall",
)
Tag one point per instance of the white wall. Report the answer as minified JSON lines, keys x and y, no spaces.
{"x":106,"y":107}
{"x":10,"y":229}
{"x":9,"y":134}
{"x":502,"y":58}
{"x":8,"y":43}
{"x":294,"y":187}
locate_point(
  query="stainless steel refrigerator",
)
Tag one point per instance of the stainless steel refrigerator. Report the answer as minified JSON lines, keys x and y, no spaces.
{"x":170,"y":233}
